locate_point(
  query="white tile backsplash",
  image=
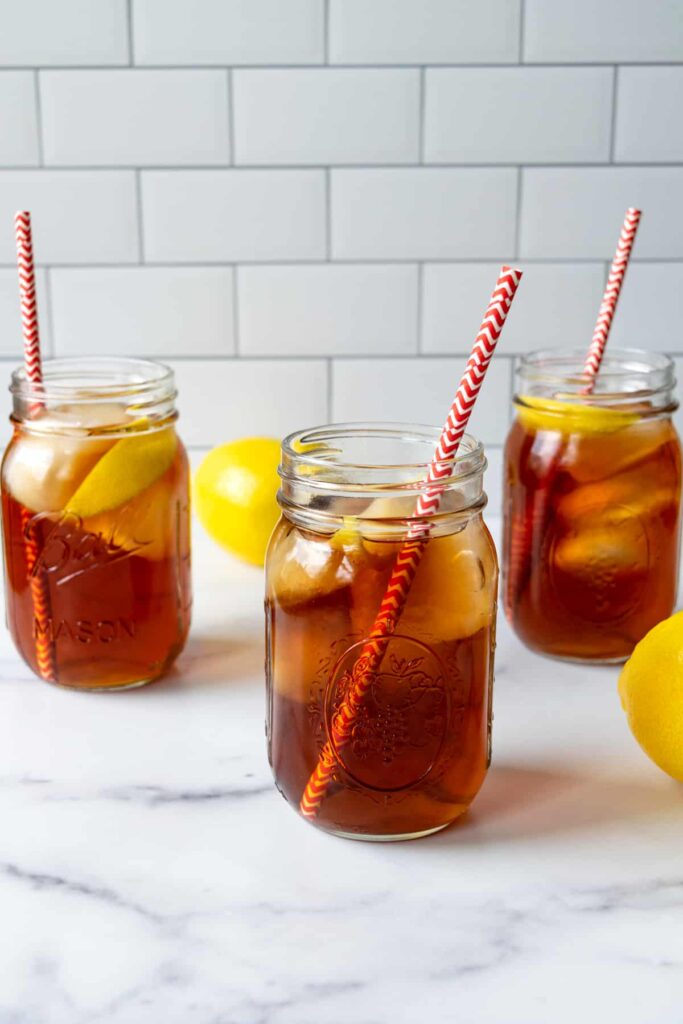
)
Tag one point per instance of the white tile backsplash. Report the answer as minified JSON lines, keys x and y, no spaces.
{"x":419,"y":391}
{"x":424,"y":31}
{"x":18,"y":118}
{"x":305,"y":204}
{"x":78,"y":216}
{"x":650,"y":310}
{"x":328,"y":310}
{"x":330,"y":116}
{"x":143,"y":311}
{"x":513,"y":115}
{"x":578,"y":212}
{"x":135,"y":117}
{"x":229,"y":398}
{"x":455,"y":297}
{"x":423,"y":213}
{"x":649,"y":122}
{"x":10,"y":319}
{"x":228,"y":31}
{"x":36,"y":32}
{"x":593,"y":31}
{"x":204,"y":216}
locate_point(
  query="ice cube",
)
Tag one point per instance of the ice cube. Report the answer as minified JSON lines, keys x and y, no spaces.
{"x":614,"y":542}
{"x":454,"y":591}
{"x":593,"y":458}
{"x":43,"y":468}
{"x":303,"y":568}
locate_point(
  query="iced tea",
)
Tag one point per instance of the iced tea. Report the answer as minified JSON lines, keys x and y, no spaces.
{"x":96,"y":529}
{"x":591,"y":539}
{"x":420,"y":747}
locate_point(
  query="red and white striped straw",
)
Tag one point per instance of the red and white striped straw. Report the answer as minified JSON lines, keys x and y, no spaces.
{"x":34,"y":375}
{"x":611,"y":296}
{"x":27,"y":296}
{"x":411,"y":551}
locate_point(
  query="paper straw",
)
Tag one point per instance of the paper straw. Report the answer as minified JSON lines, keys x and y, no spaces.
{"x":524,"y":527}
{"x":409,"y":556}
{"x":34,"y":375}
{"x":612,"y":291}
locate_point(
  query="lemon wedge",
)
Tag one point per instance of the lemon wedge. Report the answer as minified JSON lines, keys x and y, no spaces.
{"x":571,"y":417}
{"x":127,"y":469}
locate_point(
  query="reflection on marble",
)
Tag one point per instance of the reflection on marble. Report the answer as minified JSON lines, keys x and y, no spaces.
{"x":149,"y":871}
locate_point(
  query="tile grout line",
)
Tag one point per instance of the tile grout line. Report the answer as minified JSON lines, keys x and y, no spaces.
{"x":518,"y":211}
{"x":613,"y":121}
{"x":131,"y":47}
{"x":49,"y":314}
{"x":304,"y":168}
{"x":420,"y":307}
{"x":522,"y":14}
{"x":140,"y":218}
{"x":326,"y":33}
{"x":330,"y":383}
{"x":341,"y":65}
{"x":231,"y":115}
{"x":422,"y":116}
{"x":328,"y":214}
{"x":365,"y":261}
{"x":235,"y":311}
{"x":39,"y":118}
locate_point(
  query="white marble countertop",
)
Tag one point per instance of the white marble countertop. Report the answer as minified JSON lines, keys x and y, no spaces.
{"x":150,"y":872}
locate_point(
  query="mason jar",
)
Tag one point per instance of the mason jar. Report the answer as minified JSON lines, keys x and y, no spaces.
{"x":592,"y":503}
{"x":418,"y":743}
{"x":96,"y":523}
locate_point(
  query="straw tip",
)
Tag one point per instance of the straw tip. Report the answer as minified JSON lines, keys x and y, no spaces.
{"x":505,"y":269}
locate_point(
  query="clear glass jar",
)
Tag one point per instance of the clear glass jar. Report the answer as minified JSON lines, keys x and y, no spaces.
{"x":420,"y":743}
{"x":592,"y":503}
{"x":95,"y":496}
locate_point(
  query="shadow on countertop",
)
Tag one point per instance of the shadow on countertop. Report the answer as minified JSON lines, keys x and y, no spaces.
{"x":518,"y":803}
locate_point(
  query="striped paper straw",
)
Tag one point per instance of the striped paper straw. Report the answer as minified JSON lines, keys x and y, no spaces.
{"x":611,"y":296}
{"x":34,"y":374}
{"x":409,"y":556}
{"x":532,"y":523}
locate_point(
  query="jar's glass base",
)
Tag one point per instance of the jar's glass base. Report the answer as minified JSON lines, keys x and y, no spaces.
{"x":362,"y":837}
{"x":116,"y":688}
{"x":572,"y":659}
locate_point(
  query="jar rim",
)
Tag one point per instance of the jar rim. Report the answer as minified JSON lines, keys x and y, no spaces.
{"x":421,"y":433}
{"x":94,"y":379}
{"x":546,"y":366}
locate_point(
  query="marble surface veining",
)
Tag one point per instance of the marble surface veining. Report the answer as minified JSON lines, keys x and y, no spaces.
{"x":149,"y":871}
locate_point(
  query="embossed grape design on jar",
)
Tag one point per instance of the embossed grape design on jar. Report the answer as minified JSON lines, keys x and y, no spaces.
{"x":95,"y":495}
{"x":420,"y":744}
{"x":592,"y":504}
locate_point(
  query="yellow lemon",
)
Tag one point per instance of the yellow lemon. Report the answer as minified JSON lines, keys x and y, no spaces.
{"x":235,"y":489}
{"x":651,"y":692}
{"x":571,"y":417}
{"x":127,"y":469}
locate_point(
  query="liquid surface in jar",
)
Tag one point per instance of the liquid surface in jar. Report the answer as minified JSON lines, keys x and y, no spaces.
{"x":419,"y":748}
{"x":99,"y":524}
{"x":591,"y":528}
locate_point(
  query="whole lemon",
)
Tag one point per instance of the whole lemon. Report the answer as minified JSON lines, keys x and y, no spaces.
{"x":651,"y":691}
{"x":235,"y":488}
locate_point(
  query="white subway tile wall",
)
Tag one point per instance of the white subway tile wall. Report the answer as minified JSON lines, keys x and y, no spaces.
{"x":304,"y":205}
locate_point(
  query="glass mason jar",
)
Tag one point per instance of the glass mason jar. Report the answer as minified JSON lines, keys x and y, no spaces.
{"x":419,"y":744}
{"x":592,"y":502}
{"x":96,"y":523}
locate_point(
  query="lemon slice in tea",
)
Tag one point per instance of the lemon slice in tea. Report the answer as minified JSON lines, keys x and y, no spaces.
{"x":127,"y":469}
{"x":571,"y":417}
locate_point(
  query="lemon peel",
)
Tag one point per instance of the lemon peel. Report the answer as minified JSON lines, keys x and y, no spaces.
{"x":123,"y":472}
{"x":651,"y":692}
{"x":571,"y":417}
{"x":235,"y":490}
